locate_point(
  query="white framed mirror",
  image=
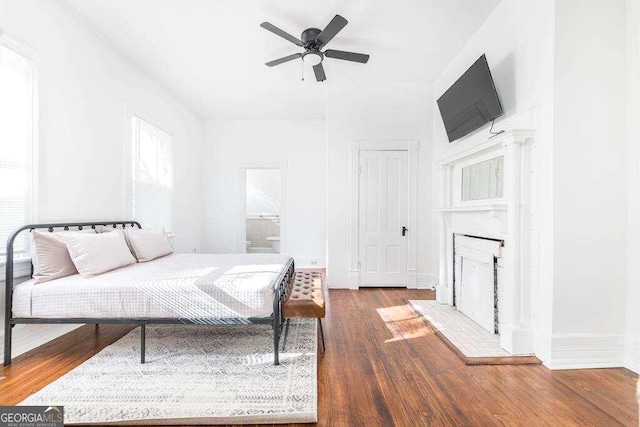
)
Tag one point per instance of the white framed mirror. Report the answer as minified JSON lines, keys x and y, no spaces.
{"x":483,"y":180}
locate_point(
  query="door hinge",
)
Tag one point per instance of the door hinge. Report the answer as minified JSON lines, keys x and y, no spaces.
{"x":359,"y":170}
{"x":358,"y":265}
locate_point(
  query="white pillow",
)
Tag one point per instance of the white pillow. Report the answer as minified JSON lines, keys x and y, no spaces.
{"x":98,"y":253}
{"x":49,"y":253}
{"x":148,"y":245}
{"x":50,"y":257}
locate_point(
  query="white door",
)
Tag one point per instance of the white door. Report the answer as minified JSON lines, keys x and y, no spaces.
{"x":384,"y":211}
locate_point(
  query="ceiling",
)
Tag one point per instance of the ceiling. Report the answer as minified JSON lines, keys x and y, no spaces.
{"x":211,"y":53}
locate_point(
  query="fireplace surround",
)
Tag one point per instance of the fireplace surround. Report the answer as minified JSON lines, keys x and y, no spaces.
{"x":507,"y":218}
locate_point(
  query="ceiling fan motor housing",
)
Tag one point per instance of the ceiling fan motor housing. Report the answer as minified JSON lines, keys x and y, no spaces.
{"x":308,"y":38}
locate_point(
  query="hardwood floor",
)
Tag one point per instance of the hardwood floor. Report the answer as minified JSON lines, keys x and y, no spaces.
{"x":394,"y":371}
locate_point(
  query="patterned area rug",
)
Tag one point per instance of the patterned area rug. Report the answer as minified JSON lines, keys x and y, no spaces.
{"x":193,"y":375}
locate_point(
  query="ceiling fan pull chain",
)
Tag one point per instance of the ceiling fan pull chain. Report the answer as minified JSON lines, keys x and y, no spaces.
{"x":302,"y":63}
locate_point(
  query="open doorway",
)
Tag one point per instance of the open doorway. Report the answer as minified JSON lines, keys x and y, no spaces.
{"x":263,"y":210}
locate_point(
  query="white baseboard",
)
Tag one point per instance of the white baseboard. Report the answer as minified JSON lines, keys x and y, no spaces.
{"x":412,"y":279}
{"x":353,"y":281}
{"x":517,"y":339}
{"x":542,"y":340}
{"x":581,"y":351}
{"x":632,"y":353}
{"x":442,"y":294}
{"x":28,"y":337}
{"x":426,"y":281}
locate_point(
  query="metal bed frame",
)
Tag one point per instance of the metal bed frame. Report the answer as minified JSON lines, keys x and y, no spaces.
{"x":281,"y":290}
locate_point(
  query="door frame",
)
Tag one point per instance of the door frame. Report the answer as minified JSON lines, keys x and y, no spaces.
{"x":282,"y":167}
{"x":411,"y":147}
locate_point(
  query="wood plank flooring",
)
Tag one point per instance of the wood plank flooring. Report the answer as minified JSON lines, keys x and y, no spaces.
{"x":393,"y":372}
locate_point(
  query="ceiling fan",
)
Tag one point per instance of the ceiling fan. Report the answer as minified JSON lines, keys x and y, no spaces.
{"x":313,"y":41}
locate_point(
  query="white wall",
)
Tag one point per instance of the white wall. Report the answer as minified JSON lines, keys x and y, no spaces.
{"x":517,"y":39}
{"x":387,"y":112}
{"x":83,"y":87}
{"x":632,"y":338}
{"x":301,"y":146}
{"x":589,"y":156}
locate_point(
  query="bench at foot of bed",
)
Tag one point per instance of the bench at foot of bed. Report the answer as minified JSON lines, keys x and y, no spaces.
{"x":306,"y":301}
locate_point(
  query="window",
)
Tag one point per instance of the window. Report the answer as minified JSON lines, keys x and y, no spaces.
{"x":482,"y":181}
{"x":152,"y":175}
{"x":16,"y":144}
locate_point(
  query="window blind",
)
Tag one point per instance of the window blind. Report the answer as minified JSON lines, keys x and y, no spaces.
{"x":152,"y":175}
{"x":16,"y":140}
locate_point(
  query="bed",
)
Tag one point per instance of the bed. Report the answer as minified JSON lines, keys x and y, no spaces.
{"x":205,"y":289}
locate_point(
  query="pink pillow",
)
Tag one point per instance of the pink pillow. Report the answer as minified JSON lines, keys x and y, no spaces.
{"x":98,"y":253}
{"x":148,"y":245}
{"x":50,"y":256}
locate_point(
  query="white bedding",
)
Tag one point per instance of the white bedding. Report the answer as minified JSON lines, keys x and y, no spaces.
{"x":193,"y":286}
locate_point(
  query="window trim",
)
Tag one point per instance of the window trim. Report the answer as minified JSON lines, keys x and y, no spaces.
{"x":31,"y":55}
{"x":127,"y":194}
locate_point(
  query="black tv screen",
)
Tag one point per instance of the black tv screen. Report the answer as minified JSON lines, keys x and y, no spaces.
{"x":471,"y":102}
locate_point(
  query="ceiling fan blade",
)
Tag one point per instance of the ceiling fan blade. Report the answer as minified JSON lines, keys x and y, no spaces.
{"x":330,"y":31}
{"x":282,"y":60}
{"x":281,"y":33}
{"x":347,"y":56}
{"x":319,"y":70}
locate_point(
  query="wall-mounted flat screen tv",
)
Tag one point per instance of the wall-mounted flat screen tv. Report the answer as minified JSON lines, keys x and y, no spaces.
{"x":471,"y":102}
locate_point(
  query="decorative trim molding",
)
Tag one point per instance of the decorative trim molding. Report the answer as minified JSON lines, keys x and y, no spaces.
{"x":507,"y":218}
{"x":412,"y":147}
{"x":283,"y":168}
{"x":427,"y":281}
{"x":632,"y":353}
{"x":32,"y":190}
{"x":516,"y":136}
{"x":581,"y":351}
{"x":129,"y":113}
{"x":412,"y":279}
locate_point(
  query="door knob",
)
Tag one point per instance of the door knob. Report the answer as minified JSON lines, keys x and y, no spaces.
{"x":404,"y":231}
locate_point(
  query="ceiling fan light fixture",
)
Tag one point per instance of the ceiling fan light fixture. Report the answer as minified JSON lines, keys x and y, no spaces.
{"x":312,"y":58}
{"x":314,"y":40}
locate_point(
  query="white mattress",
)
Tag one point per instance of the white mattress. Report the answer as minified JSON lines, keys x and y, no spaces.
{"x":196,"y":286}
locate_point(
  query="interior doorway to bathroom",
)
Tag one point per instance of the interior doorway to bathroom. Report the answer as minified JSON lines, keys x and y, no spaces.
{"x":264,"y":191}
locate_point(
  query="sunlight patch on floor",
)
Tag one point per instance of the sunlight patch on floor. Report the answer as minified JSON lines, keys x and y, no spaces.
{"x":403,"y":323}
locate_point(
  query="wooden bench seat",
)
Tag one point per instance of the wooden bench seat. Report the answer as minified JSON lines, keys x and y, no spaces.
{"x":306,"y":300}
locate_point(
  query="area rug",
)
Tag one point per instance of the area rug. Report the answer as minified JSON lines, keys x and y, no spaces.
{"x":193,"y":375}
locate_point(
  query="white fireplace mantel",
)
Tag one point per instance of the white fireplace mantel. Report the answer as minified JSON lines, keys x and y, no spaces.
{"x":506,"y":219}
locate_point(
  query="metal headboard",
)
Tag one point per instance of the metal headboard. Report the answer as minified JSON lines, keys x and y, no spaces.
{"x":50,"y":227}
